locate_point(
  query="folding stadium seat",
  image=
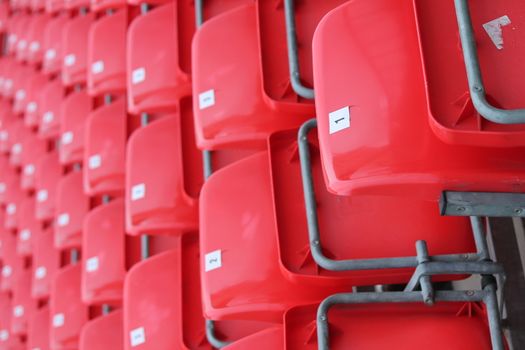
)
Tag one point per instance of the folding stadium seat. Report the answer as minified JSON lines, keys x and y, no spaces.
{"x":13,"y":28}
{"x":107,"y":54}
{"x":68,"y":314}
{"x":388,"y":147}
{"x":103,"y":249}
{"x":17,"y":136}
{"x":55,"y":6}
{"x":20,"y":87}
{"x":105,"y":149}
{"x":38,"y":335}
{"x":47,"y":174}
{"x":35,"y":86}
{"x":256,"y":34}
{"x":104,"y":333}
{"x":74,"y":111}
{"x":255,"y":244}
{"x":7,"y":340}
{"x":77,"y":4}
{"x":157,"y":81}
{"x":33,"y":149}
{"x":23,"y":306}
{"x":452,"y":115}
{"x":453,"y":325}
{"x":160,"y":312}
{"x":71,"y":208}
{"x":12,"y":263}
{"x":10,"y":181}
{"x":101,"y":5}
{"x":11,"y":69}
{"x":52,"y":45}
{"x":21,"y":36}
{"x":4,"y":16}
{"x":162,"y":197}
{"x":37,"y":5}
{"x":46,"y":263}
{"x":28,"y":227}
{"x":35,"y":52}
{"x":74,"y":46}
{"x":49,"y":109}
{"x":14,"y":198}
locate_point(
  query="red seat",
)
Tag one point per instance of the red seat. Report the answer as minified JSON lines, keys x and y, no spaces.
{"x":107,"y":54}
{"x":7,"y":340}
{"x":14,"y":198}
{"x":38,"y":335}
{"x":104,"y":333}
{"x":11,"y":68}
{"x":28,"y":227}
{"x":101,"y":5}
{"x":47,"y":174}
{"x":49,"y":102}
{"x":4,"y":16}
{"x":35,"y":52}
{"x":451,"y":114}
{"x":33,"y":149}
{"x":52,"y":44}
{"x":452,"y":325}
{"x":377,"y":152}
{"x":55,"y":6}
{"x":35,"y":86}
{"x":72,"y":206}
{"x":46,"y":262}
{"x":74,"y":47}
{"x":156,"y":78}
{"x":13,"y":264}
{"x":256,"y":247}
{"x":20,"y":87}
{"x":160,"y":312}
{"x":10,"y":183}
{"x":17,"y":135}
{"x":68,"y":314}
{"x":105,"y":149}
{"x":76,"y":4}
{"x":103,"y":249}
{"x":162,"y":197}
{"x":257,"y":49}
{"x":22,"y":35}
{"x":23,"y":306}
{"x":13,"y":27}
{"x":37,"y":5}
{"x":73,"y":114}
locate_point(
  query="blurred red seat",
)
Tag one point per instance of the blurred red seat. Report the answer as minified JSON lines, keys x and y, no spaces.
{"x":104,"y":333}
{"x":28,"y":227}
{"x":46,"y":262}
{"x":47,"y":174}
{"x":74,"y":112}
{"x":52,"y":44}
{"x":38,"y":335}
{"x":23,"y":306}
{"x":74,"y":47}
{"x":49,"y":102}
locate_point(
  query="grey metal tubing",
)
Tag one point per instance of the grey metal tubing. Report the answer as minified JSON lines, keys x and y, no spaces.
{"x":199,"y":16}
{"x":212,"y":339}
{"x":475,"y":80}
{"x":106,"y":199}
{"x":424,"y":280}
{"x":144,"y":8}
{"x":73,"y":256}
{"x":107,"y":99}
{"x":313,"y":224}
{"x":144,"y":239}
{"x":106,"y":309}
{"x":479,"y":237}
{"x":493,"y":315}
{"x":293,"y":58}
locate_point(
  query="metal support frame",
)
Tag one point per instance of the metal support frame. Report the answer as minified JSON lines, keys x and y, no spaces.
{"x":490,"y":204}
{"x":293,"y":56}
{"x":475,"y":80}
{"x":144,"y":239}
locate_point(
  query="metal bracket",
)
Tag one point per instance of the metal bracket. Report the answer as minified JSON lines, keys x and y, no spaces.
{"x":212,"y":338}
{"x":475,"y":80}
{"x":490,"y":204}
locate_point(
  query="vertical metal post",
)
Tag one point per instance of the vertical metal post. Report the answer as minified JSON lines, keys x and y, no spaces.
{"x":106,"y":309}
{"x":144,"y":239}
{"x":73,"y":257}
{"x":144,"y":8}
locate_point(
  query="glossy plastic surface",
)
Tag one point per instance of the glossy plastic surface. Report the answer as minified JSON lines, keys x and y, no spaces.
{"x":49,"y":102}
{"x":35,"y":87}
{"x":13,"y":264}
{"x":103,"y":248}
{"x":38,"y":336}
{"x":47,"y":174}
{"x":8,"y":341}
{"x":155,"y":79}
{"x":388,"y":147}
{"x":103,"y":333}
{"x":13,"y":200}
{"x":35,"y":51}
{"x":107,"y":54}
{"x":165,"y":312}
{"x":67,"y":313}
{"x":74,"y":111}
{"x":28,"y":227}
{"x":46,"y":262}
{"x":33,"y":149}
{"x":22,"y":305}
{"x":74,"y":47}
{"x":158,"y":197}
{"x":53,"y":45}
{"x":72,"y":205}
{"x":105,"y":149}
{"x":261,"y":235}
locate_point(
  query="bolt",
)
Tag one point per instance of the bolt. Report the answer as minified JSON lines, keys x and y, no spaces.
{"x":322,"y":318}
{"x":518,"y":211}
{"x":461,"y":209}
{"x":470,"y":293}
{"x":478,"y":88}
{"x":316,"y":242}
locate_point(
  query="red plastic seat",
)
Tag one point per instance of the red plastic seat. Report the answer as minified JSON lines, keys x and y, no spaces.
{"x":7,"y":340}
{"x":14,"y":198}
{"x":33,"y":149}
{"x":452,"y":325}
{"x":105,"y":149}
{"x":10,"y":183}
{"x":101,"y":5}
{"x":4,"y":16}
{"x":20,"y":87}
{"x":255,"y":244}
{"x":73,"y":115}
{"x":38,"y":335}
{"x":107,"y":54}
{"x":37,"y":5}
{"x":17,"y":136}
{"x":23,"y":306}
{"x":11,"y":68}
{"x":49,"y":102}
{"x":22,"y":36}
{"x":35,"y":52}
{"x":13,"y":28}
{"x":35,"y":87}
{"x":104,"y":333}
{"x":162,"y":197}
{"x":55,"y":6}
{"x":103,"y":248}
{"x":160,"y":312}
{"x":74,"y":47}
{"x":388,"y":147}
{"x":52,"y":44}
{"x":156,"y":79}
{"x":77,"y":4}
{"x":451,"y":114}
{"x":13,"y":264}
{"x":68,"y":314}
{"x":72,"y":205}
{"x":264,"y":102}
{"x":28,"y":227}
{"x":46,"y":263}
{"x":47,"y":174}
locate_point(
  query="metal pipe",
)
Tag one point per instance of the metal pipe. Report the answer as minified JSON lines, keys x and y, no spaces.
{"x":74,"y":256}
{"x":144,"y":8}
{"x":107,"y":99}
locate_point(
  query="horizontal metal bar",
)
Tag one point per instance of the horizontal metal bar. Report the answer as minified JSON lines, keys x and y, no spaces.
{"x":491,"y":204}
